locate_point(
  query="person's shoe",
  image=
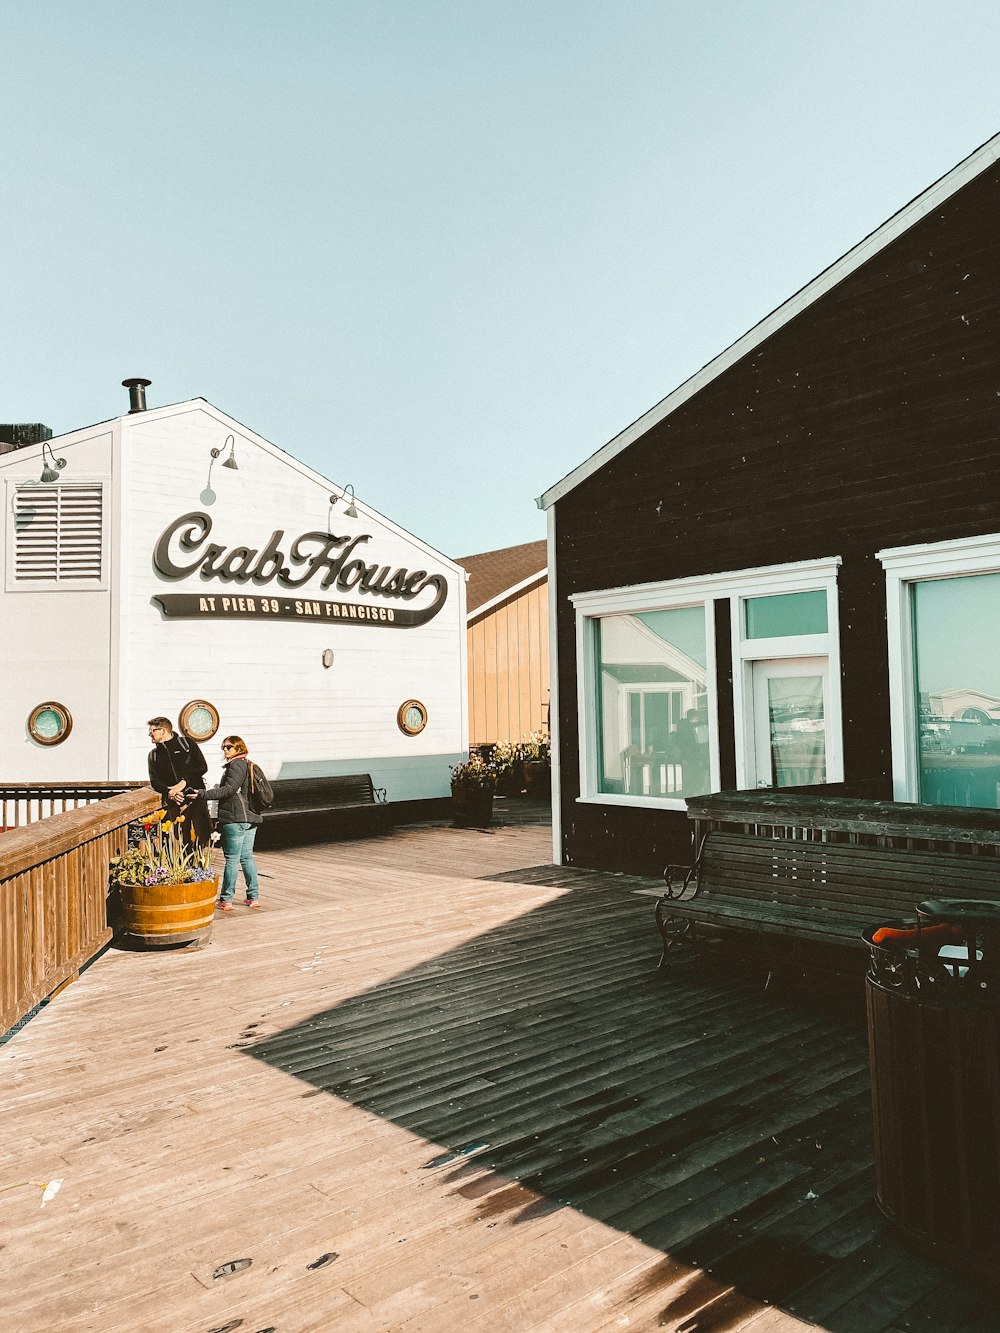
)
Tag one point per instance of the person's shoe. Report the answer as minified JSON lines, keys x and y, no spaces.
{"x":253,"y":903}
{"x":224,"y":905}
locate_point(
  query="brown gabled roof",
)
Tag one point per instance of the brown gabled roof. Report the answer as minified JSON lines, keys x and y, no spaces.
{"x":494,"y":572}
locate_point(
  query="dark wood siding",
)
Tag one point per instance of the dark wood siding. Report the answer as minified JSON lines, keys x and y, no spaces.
{"x":869,"y":420}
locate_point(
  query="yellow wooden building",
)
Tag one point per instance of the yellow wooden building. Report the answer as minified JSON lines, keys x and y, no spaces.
{"x":508,"y":643}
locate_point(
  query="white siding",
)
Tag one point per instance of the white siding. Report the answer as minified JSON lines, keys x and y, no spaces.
{"x":267,"y":678}
{"x":55,"y":641}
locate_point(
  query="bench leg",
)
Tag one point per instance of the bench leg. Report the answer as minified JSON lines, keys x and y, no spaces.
{"x":672,"y":929}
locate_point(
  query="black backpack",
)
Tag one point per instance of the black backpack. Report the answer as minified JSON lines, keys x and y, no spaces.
{"x":260,"y":794}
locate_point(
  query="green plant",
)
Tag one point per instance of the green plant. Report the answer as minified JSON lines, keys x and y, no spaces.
{"x":475,"y":773}
{"x":166,"y":853}
{"x":505,"y":755}
{"x":535,"y":746}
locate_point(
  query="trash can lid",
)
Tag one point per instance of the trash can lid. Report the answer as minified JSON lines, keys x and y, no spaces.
{"x":961,"y":911}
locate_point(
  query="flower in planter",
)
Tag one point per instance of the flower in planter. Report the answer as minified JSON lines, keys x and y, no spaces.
{"x":505,"y":755}
{"x":535,"y":746}
{"x":508,"y":761}
{"x":474,"y":774}
{"x":164,"y":854}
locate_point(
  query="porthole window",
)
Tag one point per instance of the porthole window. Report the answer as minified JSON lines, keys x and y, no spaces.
{"x":50,"y":723}
{"x":412,"y":717}
{"x":199,"y":720}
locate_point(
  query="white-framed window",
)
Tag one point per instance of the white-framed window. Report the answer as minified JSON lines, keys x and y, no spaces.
{"x":648,"y":733}
{"x":943,"y":622}
{"x":647,"y":693}
{"x":785,"y":629}
{"x":56,"y":536}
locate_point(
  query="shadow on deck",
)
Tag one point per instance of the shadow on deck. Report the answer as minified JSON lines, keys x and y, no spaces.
{"x":727,"y":1127}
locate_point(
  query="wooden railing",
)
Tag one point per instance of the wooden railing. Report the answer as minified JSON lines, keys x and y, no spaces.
{"x":53,"y":896}
{"x":27,"y":802}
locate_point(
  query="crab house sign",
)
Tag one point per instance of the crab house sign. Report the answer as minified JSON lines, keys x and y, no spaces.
{"x":268,"y":582}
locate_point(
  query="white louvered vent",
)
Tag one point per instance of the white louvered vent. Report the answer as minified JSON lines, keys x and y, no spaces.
{"x":57,"y":533}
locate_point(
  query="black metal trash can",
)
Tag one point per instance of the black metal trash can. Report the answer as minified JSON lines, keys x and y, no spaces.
{"x":933,"y":995}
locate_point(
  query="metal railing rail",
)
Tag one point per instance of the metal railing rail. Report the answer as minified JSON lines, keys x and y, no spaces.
{"x":26,"y":802}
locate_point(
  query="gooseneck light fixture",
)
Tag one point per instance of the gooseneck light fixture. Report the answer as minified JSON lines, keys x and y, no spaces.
{"x":208,"y":495}
{"x":52,"y":467}
{"x":350,"y":511}
{"x":231,"y":460}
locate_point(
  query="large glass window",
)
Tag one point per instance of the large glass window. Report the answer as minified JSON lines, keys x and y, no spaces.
{"x":956,"y":658}
{"x":651,"y":682}
{"x":646,"y":690}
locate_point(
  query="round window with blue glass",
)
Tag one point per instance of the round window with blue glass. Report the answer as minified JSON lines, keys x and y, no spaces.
{"x":412,"y":717}
{"x":199,"y":720}
{"x":50,"y":723}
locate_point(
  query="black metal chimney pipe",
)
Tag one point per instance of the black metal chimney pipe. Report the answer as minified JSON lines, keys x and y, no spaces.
{"x":136,"y":393}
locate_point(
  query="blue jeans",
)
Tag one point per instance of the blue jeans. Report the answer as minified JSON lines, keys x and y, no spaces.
{"x":237,"y":844}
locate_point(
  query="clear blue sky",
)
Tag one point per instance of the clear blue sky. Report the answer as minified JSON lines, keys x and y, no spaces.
{"x":444,"y":251}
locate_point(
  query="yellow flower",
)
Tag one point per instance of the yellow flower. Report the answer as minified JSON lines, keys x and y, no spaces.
{"x":167,"y":826}
{"x":160,"y":814}
{"x":179,"y":819}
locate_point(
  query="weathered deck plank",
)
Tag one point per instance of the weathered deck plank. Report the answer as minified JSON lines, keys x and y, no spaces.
{"x":455,"y":1068}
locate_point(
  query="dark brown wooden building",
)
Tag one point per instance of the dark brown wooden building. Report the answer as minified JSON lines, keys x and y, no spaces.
{"x":788,"y":571}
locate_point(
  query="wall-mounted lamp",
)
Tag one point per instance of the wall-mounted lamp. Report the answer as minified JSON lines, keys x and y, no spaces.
{"x":328,"y":657}
{"x":208,"y":495}
{"x":350,"y":511}
{"x":52,"y":468}
{"x":231,"y":460}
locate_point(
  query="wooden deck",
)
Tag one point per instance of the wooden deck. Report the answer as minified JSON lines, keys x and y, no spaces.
{"x":439,"y":1085}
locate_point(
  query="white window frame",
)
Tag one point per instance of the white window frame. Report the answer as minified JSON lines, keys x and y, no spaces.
{"x":776,"y":581}
{"x":591,"y":607}
{"x":904,"y":566}
{"x":14,"y":585}
{"x":737,"y":586}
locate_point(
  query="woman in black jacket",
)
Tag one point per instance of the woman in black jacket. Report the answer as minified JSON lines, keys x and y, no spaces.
{"x":238,"y":823}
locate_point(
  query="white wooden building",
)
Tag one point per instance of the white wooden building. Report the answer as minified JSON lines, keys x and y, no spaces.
{"x":149,"y":575}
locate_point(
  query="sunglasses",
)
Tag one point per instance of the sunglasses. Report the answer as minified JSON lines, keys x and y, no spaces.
{"x":229,"y":747}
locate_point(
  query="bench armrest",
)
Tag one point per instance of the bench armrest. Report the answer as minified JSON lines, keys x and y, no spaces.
{"x":677,"y":878}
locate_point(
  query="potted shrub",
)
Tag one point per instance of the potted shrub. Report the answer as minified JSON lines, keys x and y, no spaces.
{"x":165,"y":884}
{"x":508,"y":761}
{"x":473,"y":784}
{"x":537,"y":767}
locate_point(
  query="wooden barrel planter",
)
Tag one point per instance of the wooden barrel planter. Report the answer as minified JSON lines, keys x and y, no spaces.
{"x":472,"y":807}
{"x":511,"y":780}
{"x":538,"y":778}
{"x":158,"y":915}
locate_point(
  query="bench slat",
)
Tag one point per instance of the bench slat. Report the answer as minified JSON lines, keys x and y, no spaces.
{"x":325,"y":795}
{"x":816,"y":891}
{"x":816,"y":926}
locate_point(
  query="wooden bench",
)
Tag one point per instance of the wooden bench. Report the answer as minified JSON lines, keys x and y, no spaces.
{"x":351,"y":795}
{"x":786,"y":892}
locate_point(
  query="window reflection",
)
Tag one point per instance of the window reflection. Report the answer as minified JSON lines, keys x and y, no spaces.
{"x":652,"y":703}
{"x":798,"y":730}
{"x":956,"y":639}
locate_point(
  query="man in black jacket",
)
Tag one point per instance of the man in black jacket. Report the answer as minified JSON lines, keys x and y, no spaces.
{"x":176,"y":766}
